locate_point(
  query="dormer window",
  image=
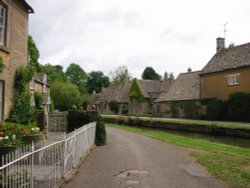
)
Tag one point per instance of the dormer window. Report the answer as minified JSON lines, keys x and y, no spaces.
{"x":2,"y":24}
{"x":233,"y":79}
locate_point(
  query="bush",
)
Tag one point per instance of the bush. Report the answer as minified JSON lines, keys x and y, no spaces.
{"x":114,"y":106}
{"x":238,"y":107}
{"x":78,"y":118}
{"x":100,"y":138}
{"x":215,"y":109}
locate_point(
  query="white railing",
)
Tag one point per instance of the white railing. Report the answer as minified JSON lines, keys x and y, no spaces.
{"x":44,"y":164}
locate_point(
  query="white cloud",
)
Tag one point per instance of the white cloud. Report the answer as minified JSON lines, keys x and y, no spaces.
{"x":167,"y":35}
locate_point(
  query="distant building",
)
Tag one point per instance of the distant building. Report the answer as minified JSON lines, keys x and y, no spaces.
{"x":143,"y":93}
{"x":13,"y":47}
{"x":184,"y":93}
{"x":227,"y":72}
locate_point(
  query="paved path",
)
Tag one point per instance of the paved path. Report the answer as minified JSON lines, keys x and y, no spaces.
{"x":133,"y":161}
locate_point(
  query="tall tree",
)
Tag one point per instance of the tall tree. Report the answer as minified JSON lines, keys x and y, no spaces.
{"x":96,"y":80}
{"x":65,"y":95}
{"x":119,"y":75}
{"x":34,"y":54}
{"x":150,"y":74}
{"x":169,"y":77}
{"x":54,"y":72}
{"x":76,"y":74}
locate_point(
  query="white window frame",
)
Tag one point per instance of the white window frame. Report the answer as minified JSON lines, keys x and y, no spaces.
{"x":3,"y":16}
{"x":233,"y":79}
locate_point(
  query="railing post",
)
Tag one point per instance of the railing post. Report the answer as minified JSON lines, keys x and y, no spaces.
{"x":32,"y":163}
{"x":64,"y":157}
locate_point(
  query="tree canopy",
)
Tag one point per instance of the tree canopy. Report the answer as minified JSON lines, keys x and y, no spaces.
{"x":54,"y":72}
{"x":76,"y":74}
{"x":34,"y":54}
{"x":96,"y":80}
{"x":150,"y":74}
{"x":119,"y":75}
{"x":169,"y":77}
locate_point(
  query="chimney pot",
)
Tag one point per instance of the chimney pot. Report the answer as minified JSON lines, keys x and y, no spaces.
{"x":220,"y":44}
{"x":189,"y":69}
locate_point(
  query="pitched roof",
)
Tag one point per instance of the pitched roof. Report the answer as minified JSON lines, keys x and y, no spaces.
{"x":185,"y":87}
{"x":230,"y":58}
{"x":152,"y":86}
{"x":41,"y":78}
{"x":27,"y":6}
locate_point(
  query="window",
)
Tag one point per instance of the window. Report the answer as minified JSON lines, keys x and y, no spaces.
{"x":2,"y":24}
{"x":233,"y":79}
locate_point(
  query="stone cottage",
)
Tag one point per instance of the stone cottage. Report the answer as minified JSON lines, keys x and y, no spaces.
{"x":13,"y":47}
{"x":39,"y":84}
{"x":227,"y":72}
{"x":119,"y":93}
{"x":181,"y":100}
{"x":143,"y":93}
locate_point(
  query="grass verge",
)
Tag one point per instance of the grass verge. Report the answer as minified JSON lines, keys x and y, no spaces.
{"x":229,"y":163}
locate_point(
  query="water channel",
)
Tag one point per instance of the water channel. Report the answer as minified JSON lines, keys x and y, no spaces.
{"x":245,"y":143}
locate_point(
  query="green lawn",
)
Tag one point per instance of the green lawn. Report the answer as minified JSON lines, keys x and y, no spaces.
{"x":229,"y":163}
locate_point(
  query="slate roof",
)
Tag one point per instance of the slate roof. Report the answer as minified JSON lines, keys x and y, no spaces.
{"x":118,"y":93}
{"x":27,"y":6}
{"x":229,"y":58}
{"x":152,"y":86}
{"x":185,"y":87}
{"x":40,"y":77}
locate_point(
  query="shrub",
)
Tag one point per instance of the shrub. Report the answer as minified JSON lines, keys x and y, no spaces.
{"x":114,"y":106}
{"x":78,"y":118}
{"x":215,"y":109}
{"x":100,"y":138}
{"x":23,"y":77}
{"x":238,"y":107}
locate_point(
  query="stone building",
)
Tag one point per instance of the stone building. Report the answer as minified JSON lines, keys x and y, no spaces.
{"x":39,"y":84}
{"x":227,"y":72}
{"x":13,"y":47}
{"x":143,"y":93}
{"x":181,"y":100}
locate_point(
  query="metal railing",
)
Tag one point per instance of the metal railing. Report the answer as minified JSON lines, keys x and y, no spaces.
{"x":45,"y":164}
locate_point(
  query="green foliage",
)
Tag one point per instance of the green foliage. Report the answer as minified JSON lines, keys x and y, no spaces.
{"x":22,"y":111}
{"x":96,"y":80}
{"x":101,"y":134}
{"x":169,"y":77}
{"x":191,"y":109}
{"x":238,"y":107}
{"x":148,"y":113}
{"x":65,"y":95}
{"x":54,"y":72}
{"x":2,"y":65}
{"x":23,"y":76}
{"x":150,"y":74}
{"x":34,"y":54}
{"x":76,"y":74}
{"x":114,"y":106}
{"x":136,"y":92}
{"x":205,"y":101}
{"x":215,"y":109}
{"x":119,"y":75}
{"x":175,"y":110}
{"x":38,"y":100}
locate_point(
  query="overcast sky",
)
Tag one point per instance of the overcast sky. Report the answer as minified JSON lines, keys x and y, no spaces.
{"x":164,"y":34}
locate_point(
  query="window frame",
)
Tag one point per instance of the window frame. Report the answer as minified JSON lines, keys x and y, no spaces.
{"x":233,"y":79}
{"x":4,"y":26}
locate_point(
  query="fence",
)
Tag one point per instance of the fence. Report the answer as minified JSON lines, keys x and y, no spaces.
{"x":44,"y":164}
{"x":57,"y":122}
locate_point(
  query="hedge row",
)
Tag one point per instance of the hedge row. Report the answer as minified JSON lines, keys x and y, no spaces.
{"x":212,"y":129}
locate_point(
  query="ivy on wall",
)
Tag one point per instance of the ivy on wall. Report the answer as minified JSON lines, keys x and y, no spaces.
{"x":23,"y":77}
{"x":136,"y":92}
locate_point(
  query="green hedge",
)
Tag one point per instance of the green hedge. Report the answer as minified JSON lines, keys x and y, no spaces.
{"x":78,"y":118}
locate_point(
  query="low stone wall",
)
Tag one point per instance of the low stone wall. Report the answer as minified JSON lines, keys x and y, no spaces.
{"x":213,"y":129}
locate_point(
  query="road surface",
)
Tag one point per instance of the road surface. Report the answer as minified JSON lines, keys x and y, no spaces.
{"x":134,"y":161}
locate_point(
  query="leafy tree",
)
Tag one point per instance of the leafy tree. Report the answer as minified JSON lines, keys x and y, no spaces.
{"x":150,"y":74}
{"x":76,"y":74}
{"x":119,"y":75}
{"x":34,"y":54}
{"x":54,"y":72}
{"x":65,"y":95}
{"x":169,"y":77}
{"x":96,"y":80}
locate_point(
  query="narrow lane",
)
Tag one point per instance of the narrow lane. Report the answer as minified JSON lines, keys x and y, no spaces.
{"x":133,"y":161}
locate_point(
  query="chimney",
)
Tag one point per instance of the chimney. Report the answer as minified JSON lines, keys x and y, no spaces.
{"x":220,"y":44}
{"x":161,"y":85}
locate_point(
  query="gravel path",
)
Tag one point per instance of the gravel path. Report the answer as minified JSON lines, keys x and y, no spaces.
{"x":133,"y":161}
